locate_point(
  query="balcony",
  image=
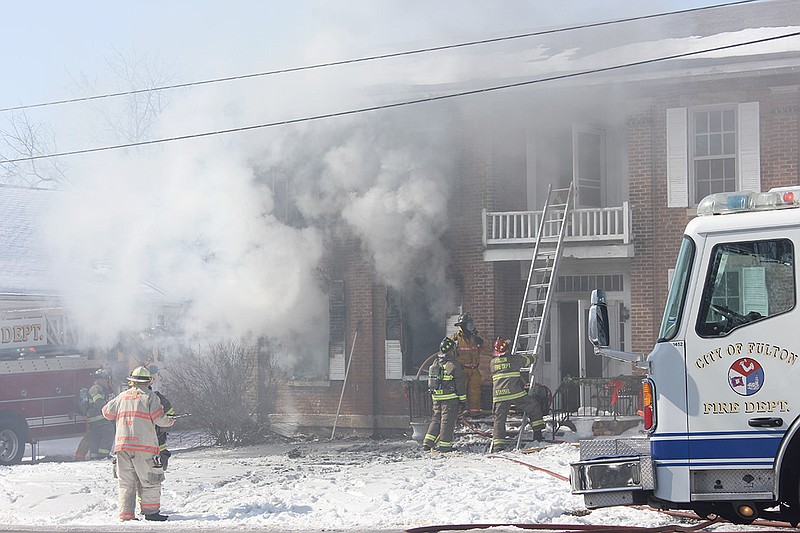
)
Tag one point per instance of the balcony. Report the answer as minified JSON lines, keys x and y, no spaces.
{"x":591,"y":233}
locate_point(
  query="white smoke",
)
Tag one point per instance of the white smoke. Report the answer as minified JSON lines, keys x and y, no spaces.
{"x":195,"y":224}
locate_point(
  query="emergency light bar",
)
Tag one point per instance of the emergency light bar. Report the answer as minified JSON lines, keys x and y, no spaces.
{"x":737,"y":202}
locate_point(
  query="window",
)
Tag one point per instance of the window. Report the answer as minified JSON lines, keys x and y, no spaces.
{"x":710,"y":150}
{"x":677,"y":292}
{"x":337,"y":319}
{"x":714,"y":154}
{"x":747,"y":282}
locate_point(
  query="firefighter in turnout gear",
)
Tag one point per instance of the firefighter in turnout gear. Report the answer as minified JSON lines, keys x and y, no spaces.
{"x":469,"y":347}
{"x":508,"y":388}
{"x":101,"y":431}
{"x":137,"y":411}
{"x":447,"y":386}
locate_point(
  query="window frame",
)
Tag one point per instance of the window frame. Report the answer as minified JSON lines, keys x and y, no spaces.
{"x":708,"y":288}
{"x":692,"y":133}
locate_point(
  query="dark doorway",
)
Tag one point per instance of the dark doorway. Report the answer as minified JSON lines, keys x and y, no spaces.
{"x":421,"y":333}
{"x":569,"y":349}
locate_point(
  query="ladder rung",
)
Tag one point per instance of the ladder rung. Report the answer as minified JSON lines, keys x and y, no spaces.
{"x":531,"y":318}
{"x":527,"y":335}
{"x":543,"y":269}
{"x":529,"y":302}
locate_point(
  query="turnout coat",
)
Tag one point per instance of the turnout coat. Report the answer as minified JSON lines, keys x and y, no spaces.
{"x":137,"y":411}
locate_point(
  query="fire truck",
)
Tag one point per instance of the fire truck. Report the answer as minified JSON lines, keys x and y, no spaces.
{"x":721,"y":391}
{"x":41,"y":376}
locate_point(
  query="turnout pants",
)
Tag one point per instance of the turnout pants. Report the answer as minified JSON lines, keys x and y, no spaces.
{"x":532,"y":409}
{"x":473,"y":376}
{"x":443,"y":425}
{"x":138,"y":468}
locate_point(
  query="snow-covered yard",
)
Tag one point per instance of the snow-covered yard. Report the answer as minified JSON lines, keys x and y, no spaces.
{"x":343,"y":485}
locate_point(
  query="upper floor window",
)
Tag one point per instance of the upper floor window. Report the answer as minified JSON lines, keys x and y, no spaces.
{"x":710,"y":150}
{"x":714,"y":154}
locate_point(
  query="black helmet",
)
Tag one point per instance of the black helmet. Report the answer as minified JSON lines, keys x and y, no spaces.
{"x":446,"y":346}
{"x":101,"y":373}
{"x":466,"y":322}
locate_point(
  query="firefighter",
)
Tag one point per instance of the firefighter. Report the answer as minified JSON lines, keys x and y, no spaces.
{"x":469,"y":347}
{"x":163,"y":453}
{"x":137,"y":411}
{"x":101,"y":431}
{"x":508,"y":388}
{"x":447,"y":386}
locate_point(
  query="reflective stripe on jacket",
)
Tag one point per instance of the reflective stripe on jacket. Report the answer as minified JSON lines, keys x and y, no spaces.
{"x":136,"y":412}
{"x":450,"y":383}
{"x":507,"y":382}
{"x":468,"y":349}
{"x":98,"y":396}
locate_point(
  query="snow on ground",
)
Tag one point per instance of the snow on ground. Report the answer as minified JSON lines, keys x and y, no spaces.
{"x":342,"y":485}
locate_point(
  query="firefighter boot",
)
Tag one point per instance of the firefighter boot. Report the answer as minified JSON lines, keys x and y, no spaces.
{"x":158,"y":517}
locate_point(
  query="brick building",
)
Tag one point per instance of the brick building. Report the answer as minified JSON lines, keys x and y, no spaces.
{"x":642,"y":144}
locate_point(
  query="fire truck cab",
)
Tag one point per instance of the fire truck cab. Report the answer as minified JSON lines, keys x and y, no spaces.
{"x":721,"y":394}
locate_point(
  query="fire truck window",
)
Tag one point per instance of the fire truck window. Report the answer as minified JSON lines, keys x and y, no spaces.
{"x":747,"y":282}
{"x":676,"y":297}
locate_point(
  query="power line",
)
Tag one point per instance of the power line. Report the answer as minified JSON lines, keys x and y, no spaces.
{"x":369,"y":58}
{"x":399,"y":104}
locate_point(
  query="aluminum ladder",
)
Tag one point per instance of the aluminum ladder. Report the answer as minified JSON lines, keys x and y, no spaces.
{"x":542,"y":279}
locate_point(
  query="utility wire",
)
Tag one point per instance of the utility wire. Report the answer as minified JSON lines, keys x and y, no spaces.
{"x":369,"y":58}
{"x":400,"y":104}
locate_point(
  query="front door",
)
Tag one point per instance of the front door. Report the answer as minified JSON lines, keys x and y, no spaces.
{"x":569,"y":351}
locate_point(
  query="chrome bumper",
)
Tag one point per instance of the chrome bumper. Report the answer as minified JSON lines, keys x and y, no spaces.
{"x":611,"y":470}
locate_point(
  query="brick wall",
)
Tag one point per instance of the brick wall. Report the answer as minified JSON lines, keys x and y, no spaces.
{"x":657,"y":229}
{"x":370,"y":404}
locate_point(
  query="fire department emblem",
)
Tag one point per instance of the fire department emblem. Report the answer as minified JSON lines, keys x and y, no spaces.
{"x":746,"y":376}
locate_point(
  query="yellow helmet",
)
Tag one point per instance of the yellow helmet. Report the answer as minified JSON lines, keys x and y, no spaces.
{"x":140,"y":374}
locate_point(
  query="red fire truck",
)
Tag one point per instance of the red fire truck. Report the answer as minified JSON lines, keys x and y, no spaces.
{"x":40,"y":381}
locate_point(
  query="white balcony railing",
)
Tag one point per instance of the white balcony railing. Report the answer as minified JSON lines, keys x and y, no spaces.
{"x":604,"y":224}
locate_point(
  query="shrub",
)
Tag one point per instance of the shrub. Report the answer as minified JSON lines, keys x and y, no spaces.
{"x":219,"y":385}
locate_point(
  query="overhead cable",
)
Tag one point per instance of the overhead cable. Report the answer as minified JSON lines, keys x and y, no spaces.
{"x":368,"y":58}
{"x":400,"y":104}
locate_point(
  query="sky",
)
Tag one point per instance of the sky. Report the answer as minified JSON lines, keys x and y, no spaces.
{"x":205,"y":218}
{"x":341,"y":485}
{"x":50,"y":42}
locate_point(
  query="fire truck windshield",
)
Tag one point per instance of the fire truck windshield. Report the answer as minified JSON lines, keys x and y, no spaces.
{"x":677,"y":292}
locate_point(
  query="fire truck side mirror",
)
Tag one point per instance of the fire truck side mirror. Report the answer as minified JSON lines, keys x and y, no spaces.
{"x":598,"y":320}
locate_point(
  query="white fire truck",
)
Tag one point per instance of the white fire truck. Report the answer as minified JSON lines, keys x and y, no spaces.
{"x":722,"y":388}
{"x":40,"y":379}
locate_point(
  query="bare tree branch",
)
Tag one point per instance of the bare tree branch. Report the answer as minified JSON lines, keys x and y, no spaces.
{"x":24,"y":138}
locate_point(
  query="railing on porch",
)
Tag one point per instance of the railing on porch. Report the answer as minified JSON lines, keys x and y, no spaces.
{"x":575,"y":398}
{"x":583,"y":224}
{"x":420,"y":404}
{"x":595,"y":397}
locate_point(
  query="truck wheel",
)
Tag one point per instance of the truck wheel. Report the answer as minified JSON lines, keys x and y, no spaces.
{"x":12,"y":442}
